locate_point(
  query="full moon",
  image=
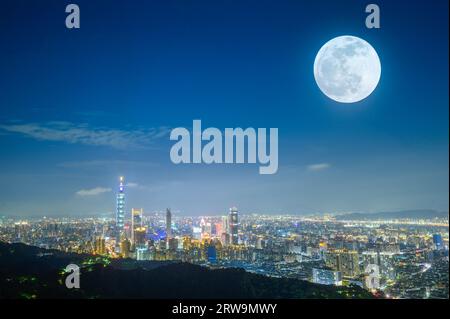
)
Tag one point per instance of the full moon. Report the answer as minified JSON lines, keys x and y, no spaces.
{"x":347,"y":69}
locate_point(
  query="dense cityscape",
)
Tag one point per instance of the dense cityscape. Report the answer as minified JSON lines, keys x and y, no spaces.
{"x":395,"y":258}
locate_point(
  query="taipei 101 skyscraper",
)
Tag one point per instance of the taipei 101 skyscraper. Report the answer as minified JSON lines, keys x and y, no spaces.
{"x":120,"y":212}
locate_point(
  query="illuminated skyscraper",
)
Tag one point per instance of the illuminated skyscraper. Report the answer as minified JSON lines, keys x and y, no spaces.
{"x":173,"y":244}
{"x":327,"y":277}
{"x":211,"y":253}
{"x":225,"y":225}
{"x":168,"y":224}
{"x":345,"y":261}
{"x":233,"y":225}
{"x":100,"y":247}
{"x":125,"y":248}
{"x":372,"y":277}
{"x":140,"y":237}
{"x":225,"y":234}
{"x":437,"y":241}
{"x":136,"y":222}
{"x":120,"y":212}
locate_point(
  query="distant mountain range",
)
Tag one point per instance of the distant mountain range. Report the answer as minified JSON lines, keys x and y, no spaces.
{"x":405,"y":214}
{"x":31,"y":272}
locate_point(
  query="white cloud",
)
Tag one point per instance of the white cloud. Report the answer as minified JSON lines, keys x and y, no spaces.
{"x":145,"y":188}
{"x":96,"y":164}
{"x":93,"y":191}
{"x":318,"y":167}
{"x":131,"y":184}
{"x":83,"y":134}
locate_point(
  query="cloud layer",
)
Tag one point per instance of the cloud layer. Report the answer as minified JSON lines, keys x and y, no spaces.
{"x":93,"y":191}
{"x":83,"y":134}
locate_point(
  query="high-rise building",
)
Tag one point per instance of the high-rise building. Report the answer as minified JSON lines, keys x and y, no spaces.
{"x":259,"y":242}
{"x":225,"y":239}
{"x":437,"y":241}
{"x":211,"y":253}
{"x":327,"y":277}
{"x":168,"y":224}
{"x":142,"y":253}
{"x":100,"y":247}
{"x":136,"y":222}
{"x":125,"y":248}
{"x":225,"y":225}
{"x":372,"y":277}
{"x":233,"y":225}
{"x":140,"y":237}
{"x":120,"y":212}
{"x":384,"y":260}
{"x":172,"y":244}
{"x":345,"y":261}
{"x":197,"y":233}
{"x":217,"y":229}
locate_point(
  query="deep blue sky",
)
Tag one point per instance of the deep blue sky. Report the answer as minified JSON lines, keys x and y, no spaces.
{"x":77,"y":106}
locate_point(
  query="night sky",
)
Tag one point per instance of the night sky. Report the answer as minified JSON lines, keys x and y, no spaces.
{"x":81,"y":107}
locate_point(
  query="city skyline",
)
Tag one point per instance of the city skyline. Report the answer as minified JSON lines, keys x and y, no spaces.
{"x":392,"y":256}
{"x":406,"y":258}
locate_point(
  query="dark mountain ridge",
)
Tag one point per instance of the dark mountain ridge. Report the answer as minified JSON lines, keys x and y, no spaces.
{"x":31,"y":272}
{"x":406,"y":214}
